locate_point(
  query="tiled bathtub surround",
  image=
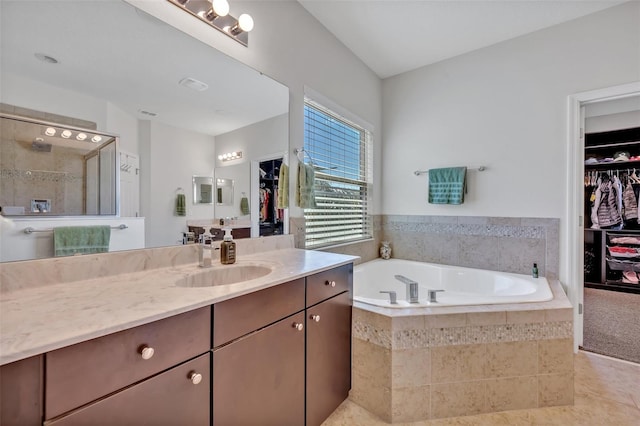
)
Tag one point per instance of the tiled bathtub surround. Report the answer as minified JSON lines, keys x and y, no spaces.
{"x":448,"y":362}
{"x":493,"y":243}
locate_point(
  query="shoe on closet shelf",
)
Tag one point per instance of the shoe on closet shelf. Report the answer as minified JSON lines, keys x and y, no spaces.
{"x":630,"y":277}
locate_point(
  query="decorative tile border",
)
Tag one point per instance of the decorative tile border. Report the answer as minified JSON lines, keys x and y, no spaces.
{"x":434,"y":337}
{"x":468,"y":229}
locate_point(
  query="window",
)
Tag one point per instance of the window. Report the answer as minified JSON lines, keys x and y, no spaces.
{"x":339,"y":151}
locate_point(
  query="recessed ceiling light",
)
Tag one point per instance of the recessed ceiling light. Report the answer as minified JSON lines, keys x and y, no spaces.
{"x":96,"y":139}
{"x":50,"y":131}
{"x":46,"y":58}
{"x":66,"y":134}
{"x":81,"y":136}
{"x":194,"y":84}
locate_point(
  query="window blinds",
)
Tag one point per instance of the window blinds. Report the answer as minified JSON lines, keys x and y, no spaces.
{"x":339,"y":152}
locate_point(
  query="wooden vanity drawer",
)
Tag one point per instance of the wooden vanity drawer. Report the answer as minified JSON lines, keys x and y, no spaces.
{"x":236,"y":317}
{"x":81,"y":373}
{"x":324,"y":285}
{"x":174,"y":397}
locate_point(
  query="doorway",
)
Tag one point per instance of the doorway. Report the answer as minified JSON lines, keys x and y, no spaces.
{"x":576,"y":220}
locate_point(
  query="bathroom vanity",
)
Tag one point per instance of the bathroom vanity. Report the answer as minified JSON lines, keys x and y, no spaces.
{"x":275,"y":349}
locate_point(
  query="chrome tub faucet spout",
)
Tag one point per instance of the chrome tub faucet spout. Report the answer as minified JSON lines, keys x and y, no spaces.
{"x":412,"y":288}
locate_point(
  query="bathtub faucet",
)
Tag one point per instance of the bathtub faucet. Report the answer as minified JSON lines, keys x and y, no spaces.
{"x":412,"y":288}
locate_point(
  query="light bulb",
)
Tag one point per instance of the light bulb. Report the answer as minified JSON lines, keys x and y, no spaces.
{"x":81,"y":136}
{"x":234,"y":154}
{"x":220,"y":157}
{"x":220,"y":7}
{"x":66,"y":134}
{"x":96,"y":139}
{"x":245,"y":22}
{"x":50,"y":131}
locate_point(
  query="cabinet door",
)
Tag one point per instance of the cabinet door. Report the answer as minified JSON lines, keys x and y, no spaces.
{"x":326,"y":284}
{"x":259,"y":379}
{"x":174,"y":397}
{"x":328,"y":357}
{"x":21,"y":392}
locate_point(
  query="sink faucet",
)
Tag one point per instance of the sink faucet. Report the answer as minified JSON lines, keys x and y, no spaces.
{"x":206,"y":240}
{"x":412,"y":288}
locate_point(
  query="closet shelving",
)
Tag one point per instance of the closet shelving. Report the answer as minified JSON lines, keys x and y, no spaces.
{"x":270,"y":217}
{"x":612,"y":253}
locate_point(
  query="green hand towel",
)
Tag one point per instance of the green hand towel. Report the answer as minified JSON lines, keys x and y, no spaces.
{"x":70,"y":240}
{"x":283,"y":188}
{"x":447,"y":185}
{"x":305,"y":195}
{"x":181,"y":205}
{"x":244,"y":205}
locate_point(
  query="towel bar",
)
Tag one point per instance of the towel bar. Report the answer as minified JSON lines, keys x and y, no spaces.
{"x":30,"y":230}
{"x":421,"y":172}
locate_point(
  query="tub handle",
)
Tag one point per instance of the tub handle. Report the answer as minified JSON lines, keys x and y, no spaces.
{"x":432,"y":295}
{"x":393,"y":297}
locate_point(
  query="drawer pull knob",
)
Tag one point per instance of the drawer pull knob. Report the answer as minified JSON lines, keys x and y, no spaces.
{"x":195,"y":378}
{"x":146,"y":352}
{"x":331,"y":283}
{"x":298,"y":326}
{"x":316,"y":318}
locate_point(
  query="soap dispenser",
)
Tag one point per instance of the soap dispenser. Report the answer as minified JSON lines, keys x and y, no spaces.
{"x":227,"y":248}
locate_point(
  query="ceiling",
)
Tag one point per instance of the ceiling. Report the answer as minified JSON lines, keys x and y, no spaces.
{"x":395,"y":36}
{"x":111,"y":51}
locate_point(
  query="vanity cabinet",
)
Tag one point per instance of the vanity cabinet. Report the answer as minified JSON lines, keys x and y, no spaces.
{"x":179,"y":396}
{"x":21,"y":392}
{"x":81,"y":373}
{"x":282,"y":356}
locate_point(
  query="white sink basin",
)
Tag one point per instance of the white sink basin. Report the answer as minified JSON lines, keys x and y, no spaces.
{"x":223,"y":275}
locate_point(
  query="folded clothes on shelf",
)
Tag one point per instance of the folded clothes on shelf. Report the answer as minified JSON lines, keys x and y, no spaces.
{"x":618,"y":251}
{"x":625,"y":240}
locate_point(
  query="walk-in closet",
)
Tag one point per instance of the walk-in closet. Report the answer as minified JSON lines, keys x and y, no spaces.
{"x":612,"y":229}
{"x":271,"y":217}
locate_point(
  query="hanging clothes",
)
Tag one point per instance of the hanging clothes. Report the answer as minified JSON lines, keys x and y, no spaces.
{"x":605,"y":212}
{"x":630,"y":202}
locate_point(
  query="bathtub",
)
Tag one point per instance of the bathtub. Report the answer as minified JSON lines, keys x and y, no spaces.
{"x":462,"y":286}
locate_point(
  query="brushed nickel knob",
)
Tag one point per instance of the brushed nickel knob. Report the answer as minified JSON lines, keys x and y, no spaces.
{"x":146,"y":352}
{"x":331,"y":283}
{"x":195,"y":377}
{"x":316,"y":318}
{"x":298,"y":326}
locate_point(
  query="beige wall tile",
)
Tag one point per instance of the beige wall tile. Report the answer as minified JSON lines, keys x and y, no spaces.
{"x":555,"y":389}
{"x":457,"y":399}
{"x":370,"y":395}
{"x":514,"y":393}
{"x":409,"y":323}
{"x":373,"y":362}
{"x":410,"y":404}
{"x":512,"y":359}
{"x":525,"y":317}
{"x":555,"y":315}
{"x":555,"y":356}
{"x":410,"y":368}
{"x":486,"y":318}
{"x":458,"y":363}
{"x":447,"y":320}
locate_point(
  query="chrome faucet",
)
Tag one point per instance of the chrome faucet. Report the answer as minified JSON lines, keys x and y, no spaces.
{"x":412,"y":288}
{"x":206,"y":244}
{"x":432,"y":295}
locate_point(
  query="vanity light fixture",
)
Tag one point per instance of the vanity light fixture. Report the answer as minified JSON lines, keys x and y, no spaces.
{"x":216,"y":14}
{"x":76,"y":134}
{"x":236,"y":155}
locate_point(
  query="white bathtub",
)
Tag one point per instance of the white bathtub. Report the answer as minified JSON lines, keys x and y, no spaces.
{"x":462,"y":286}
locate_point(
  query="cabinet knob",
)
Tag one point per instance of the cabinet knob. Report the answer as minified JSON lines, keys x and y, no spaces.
{"x":316,"y":318}
{"x":195,"y":377}
{"x":146,"y":352}
{"x":298,"y":326}
{"x":331,"y":283}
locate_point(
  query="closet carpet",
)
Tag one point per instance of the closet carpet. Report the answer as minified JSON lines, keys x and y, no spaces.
{"x":612,"y":323}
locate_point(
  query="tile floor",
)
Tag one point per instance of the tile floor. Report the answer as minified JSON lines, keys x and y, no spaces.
{"x":607,"y":392}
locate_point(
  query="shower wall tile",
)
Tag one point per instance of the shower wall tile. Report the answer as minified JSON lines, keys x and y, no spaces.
{"x":496,"y":243}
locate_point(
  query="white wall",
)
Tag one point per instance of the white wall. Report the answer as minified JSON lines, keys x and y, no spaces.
{"x":605,"y":123}
{"x":169,"y":158}
{"x":292,"y":47}
{"x":505,"y":107}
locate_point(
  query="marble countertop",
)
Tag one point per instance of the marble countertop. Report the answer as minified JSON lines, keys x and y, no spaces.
{"x":41,"y":319}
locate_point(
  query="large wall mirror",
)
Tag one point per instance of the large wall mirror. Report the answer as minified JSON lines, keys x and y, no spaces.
{"x":175,"y":103}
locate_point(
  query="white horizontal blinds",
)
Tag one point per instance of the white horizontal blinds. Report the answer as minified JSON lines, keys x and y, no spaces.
{"x":339,"y":152}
